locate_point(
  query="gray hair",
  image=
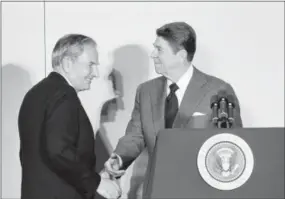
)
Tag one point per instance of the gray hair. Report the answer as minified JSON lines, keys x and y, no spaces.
{"x":71,"y":45}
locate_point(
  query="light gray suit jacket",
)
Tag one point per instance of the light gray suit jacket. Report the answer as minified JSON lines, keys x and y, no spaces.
{"x":148,"y":113}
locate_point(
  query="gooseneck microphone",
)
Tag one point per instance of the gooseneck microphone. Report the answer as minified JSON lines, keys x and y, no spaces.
{"x":215,"y":106}
{"x":222,"y":106}
{"x":223,"y":121}
{"x":223,"y":103}
{"x":231,"y":106}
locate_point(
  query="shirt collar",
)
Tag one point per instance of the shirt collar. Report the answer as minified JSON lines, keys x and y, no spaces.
{"x":66,"y":79}
{"x":183,"y":81}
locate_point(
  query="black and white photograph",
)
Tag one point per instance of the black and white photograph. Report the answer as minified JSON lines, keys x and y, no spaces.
{"x":142,"y":100}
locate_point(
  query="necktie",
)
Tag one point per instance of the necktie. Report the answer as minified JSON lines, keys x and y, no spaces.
{"x":171,"y":106}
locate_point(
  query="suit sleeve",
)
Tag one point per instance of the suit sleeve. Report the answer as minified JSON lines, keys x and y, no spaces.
{"x":132,"y":143}
{"x":58,"y":146}
{"x":237,"y":114}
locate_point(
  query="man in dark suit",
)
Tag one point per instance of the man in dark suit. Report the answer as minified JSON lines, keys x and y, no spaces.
{"x":180,"y":98}
{"x":56,"y":136}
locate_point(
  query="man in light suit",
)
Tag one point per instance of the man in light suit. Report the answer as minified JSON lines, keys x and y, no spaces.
{"x":180,"y":98}
{"x":56,"y":136}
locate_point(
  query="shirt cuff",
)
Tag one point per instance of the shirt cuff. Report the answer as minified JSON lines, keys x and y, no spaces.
{"x":120,"y":160}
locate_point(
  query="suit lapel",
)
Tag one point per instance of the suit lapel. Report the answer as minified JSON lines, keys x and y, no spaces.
{"x":192,"y":96}
{"x":158,"y":95}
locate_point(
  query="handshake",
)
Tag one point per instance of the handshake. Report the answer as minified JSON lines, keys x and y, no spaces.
{"x":109,"y":186}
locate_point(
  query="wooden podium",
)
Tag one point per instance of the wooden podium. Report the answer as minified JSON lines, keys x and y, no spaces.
{"x":173,"y":170}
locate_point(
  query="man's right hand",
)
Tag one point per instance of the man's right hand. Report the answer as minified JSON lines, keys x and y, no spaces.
{"x":112,"y":166}
{"x":109,"y":189}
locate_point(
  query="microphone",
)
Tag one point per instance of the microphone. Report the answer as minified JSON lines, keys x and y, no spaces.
{"x":231,"y":107}
{"x":214,"y":106}
{"x":223,"y":101}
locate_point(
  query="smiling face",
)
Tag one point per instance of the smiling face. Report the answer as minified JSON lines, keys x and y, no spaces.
{"x":83,"y":69}
{"x":164,"y":57}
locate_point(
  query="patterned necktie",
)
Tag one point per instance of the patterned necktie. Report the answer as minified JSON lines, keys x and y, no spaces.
{"x":171,"y":106}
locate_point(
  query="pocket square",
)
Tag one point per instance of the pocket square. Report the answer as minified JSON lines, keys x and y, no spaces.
{"x":198,"y":114}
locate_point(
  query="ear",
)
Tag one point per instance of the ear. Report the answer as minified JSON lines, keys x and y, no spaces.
{"x":182,"y":54}
{"x":66,"y":64}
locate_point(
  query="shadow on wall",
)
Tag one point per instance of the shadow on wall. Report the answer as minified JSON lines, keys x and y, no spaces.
{"x":130,"y":68}
{"x":15,"y":83}
{"x":103,"y":148}
{"x":133,"y":62}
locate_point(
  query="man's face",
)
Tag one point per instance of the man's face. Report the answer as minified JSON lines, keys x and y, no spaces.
{"x":165,"y":60}
{"x":84,"y":68}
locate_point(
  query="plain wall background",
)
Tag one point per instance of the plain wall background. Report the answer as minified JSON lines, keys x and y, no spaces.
{"x":23,"y":65}
{"x":240,"y":42}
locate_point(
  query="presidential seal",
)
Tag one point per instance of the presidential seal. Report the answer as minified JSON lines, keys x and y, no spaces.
{"x":225,"y":161}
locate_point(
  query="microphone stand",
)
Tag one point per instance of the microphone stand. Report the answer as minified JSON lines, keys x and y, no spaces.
{"x":224,"y":123}
{"x":223,"y":116}
{"x":222,"y":110}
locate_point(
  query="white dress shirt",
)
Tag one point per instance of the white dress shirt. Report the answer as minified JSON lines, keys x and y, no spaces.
{"x":65,"y":78}
{"x":182,"y":83}
{"x":68,"y":81}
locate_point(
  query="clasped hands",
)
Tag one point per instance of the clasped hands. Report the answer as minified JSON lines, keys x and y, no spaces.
{"x":109,"y":186}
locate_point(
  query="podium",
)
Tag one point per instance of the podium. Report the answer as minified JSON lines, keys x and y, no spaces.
{"x":173,"y":170}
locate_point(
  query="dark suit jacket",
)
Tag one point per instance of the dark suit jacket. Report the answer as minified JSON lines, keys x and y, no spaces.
{"x":57,"y":143}
{"x":148,"y":113}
